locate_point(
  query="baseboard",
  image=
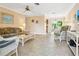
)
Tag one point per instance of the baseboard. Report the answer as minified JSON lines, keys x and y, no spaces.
{"x":40,"y":33}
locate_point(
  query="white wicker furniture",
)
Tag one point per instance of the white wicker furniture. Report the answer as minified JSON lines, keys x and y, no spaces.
{"x":59,"y":35}
{"x":11,"y":48}
{"x":25,"y":38}
{"x":71,"y":35}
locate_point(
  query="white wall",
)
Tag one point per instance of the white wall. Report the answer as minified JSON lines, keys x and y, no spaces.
{"x":70,"y":19}
{"x":18,"y":19}
{"x":33,"y":27}
{"x":40,"y":27}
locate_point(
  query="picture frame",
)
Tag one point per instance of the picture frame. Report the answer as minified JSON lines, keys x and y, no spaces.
{"x":32,"y":20}
{"x":36,"y":21}
{"x":7,"y":18}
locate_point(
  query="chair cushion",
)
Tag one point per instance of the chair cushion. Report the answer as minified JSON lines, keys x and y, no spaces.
{"x":4,"y":43}
{"x":57,"y":34}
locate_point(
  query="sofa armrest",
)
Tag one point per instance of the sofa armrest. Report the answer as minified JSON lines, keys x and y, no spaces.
{"x":11,"y":38}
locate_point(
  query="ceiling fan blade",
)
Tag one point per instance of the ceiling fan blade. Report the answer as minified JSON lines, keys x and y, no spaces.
{"x":36,"y":3}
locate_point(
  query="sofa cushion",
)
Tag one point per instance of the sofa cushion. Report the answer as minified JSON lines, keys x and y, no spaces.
{"x":7,"y":32}
{"x":10,"y":30}
{"x":9,"y":35}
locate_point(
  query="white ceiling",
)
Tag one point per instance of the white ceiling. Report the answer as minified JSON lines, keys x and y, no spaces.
{"x":42,"y":9}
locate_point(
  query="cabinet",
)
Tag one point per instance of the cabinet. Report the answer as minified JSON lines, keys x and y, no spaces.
{"x":75,"y":37}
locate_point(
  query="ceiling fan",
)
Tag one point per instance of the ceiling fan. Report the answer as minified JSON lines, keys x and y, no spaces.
{"x":27,"y":8}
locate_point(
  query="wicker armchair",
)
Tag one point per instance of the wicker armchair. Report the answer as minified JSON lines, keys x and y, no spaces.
{"x":60,"y":33}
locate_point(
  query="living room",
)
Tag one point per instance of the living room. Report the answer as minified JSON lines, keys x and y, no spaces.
{"x":27,"y":29}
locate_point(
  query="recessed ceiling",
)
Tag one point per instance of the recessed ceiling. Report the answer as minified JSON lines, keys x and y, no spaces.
{"x":42,"y":9}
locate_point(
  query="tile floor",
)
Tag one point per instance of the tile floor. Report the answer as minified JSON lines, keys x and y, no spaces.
{"x":43,"y":45}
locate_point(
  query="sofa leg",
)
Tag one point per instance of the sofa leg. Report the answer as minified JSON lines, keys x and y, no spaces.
{"x":22,"y":42}
{"x":16,"y":52}
{"x":60,"y":40}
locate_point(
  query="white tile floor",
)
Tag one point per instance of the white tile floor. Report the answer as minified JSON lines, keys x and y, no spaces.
{"x":43,"y":45}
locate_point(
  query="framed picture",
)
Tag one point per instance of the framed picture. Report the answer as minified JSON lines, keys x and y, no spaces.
{"x":32,"y":20}
{"x":36,"y":21}
{"x":7,"y":18}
